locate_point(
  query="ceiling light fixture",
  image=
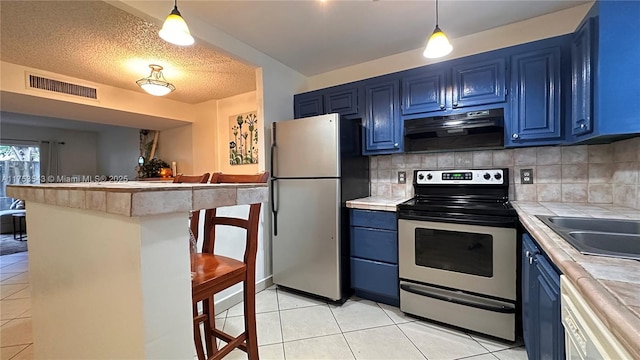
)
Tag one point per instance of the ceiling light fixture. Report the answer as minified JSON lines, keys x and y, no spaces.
{"x":155,"y":84}
{"x":438,"y":44}
{"x":175,"y":29}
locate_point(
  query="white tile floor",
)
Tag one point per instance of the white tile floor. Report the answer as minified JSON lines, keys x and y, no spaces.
{"x":290,"y":326}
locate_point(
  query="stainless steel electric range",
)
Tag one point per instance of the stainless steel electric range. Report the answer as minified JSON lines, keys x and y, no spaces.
{"x":458,"y":251}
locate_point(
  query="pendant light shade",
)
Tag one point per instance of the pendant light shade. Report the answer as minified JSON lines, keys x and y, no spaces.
{"x":438,"y":44}
{"x":175,"y":29}
{"x":155,"y":84}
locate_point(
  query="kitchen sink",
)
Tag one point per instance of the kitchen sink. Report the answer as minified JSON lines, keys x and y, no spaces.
{"x":593,"y":236}
{"x":608,"y":244}
{"x":594,"y":224}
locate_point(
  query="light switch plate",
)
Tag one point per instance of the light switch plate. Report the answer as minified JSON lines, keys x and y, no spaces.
{"x":402,"y":177}
{"x":526,"y":176}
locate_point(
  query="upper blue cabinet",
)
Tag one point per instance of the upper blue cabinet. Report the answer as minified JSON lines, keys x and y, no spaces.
{"x":581,"y":84}
{"x":308,"y":104}
{"x":382,"y":124}
{"x":341,"y":99}
{"x":539,"y":89}
{"x":478,"y":82}
{"x":446,"y":87}
{"x":606,"y":56}
{"x":425,"y":90}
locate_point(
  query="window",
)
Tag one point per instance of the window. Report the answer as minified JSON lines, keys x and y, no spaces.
{"x":19,"y":164}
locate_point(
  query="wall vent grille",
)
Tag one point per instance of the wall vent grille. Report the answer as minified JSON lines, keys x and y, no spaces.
{"x":38,"y":82}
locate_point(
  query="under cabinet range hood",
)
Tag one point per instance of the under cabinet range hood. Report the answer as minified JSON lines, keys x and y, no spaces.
{"x":471,"y":130}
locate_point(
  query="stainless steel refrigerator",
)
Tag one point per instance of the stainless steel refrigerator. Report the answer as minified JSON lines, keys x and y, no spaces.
{"x":316,"y":166}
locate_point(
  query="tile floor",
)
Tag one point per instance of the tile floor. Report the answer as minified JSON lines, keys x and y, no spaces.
{"x":290,"y":326}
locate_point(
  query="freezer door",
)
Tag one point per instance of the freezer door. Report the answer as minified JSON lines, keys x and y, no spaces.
{"x":307,"y":147}
{"x":306,"y":249}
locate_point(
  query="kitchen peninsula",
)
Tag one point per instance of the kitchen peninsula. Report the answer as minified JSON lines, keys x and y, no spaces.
{"x":109,"y":265}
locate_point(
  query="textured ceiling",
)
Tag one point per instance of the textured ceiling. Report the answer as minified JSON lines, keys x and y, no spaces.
{"x":98,"y":42}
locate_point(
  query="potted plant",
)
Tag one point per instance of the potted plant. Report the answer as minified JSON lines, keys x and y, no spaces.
{"x":153,"y":167}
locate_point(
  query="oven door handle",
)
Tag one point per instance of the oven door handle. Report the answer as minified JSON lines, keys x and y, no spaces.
{"x":486,"y":304}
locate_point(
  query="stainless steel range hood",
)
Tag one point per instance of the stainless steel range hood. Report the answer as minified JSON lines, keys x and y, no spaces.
{"x":470,"y":130}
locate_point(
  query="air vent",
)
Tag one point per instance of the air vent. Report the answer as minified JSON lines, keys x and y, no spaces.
{"x":38,"y":82}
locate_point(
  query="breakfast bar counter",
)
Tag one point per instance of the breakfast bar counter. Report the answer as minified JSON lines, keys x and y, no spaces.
{"x":110,"y":268}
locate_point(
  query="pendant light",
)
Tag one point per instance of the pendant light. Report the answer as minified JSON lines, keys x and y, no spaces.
{"x":438,"y":44}
{"x":155,"y":84}
{"x":175,"y":29}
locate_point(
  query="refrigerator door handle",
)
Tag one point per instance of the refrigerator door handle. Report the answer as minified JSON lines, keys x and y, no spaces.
{"x":273,"y":207}
{"x":273,"y":151}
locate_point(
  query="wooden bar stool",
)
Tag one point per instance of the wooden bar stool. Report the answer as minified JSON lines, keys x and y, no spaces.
{"x":214,"y":273}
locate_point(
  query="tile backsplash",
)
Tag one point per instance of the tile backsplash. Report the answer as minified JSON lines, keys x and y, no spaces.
{"x":599,"y":174}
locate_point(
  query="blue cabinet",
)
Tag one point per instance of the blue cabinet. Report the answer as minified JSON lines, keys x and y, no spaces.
{"x":535,"y":98}
{"x":581,"y":86}
{"x":341,"y":99}
{"x":382,"y":124}
{"x":446,"y":87}
{"x":541,"y":320}
{"x":478,"y":82}
{"x":308,"y":104}
{"x":540,"y":88}
{"x":424,"y":91}
{"x":607,"y":44}
{"x":374,"y":255}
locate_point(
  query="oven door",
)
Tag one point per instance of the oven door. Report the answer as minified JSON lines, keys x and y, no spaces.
{"x":471,"y":258}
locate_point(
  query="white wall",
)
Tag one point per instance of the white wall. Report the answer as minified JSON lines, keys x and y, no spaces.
{"x":118,"y":150}
{"x":558,"y":23}
{"x":78,"y":155}
{"x":175,"y":145}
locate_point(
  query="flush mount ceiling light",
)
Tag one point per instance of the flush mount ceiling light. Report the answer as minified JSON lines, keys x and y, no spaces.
{"x":438,"y":45}
{"x":155,"y":84}
{"x":175,"y":29}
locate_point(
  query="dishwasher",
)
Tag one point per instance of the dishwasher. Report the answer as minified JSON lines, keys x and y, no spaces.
{"x":586,"y":337}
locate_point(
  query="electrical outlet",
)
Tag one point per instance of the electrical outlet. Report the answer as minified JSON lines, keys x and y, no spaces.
{"x":402,"y":177}
{"x":526,"y":176}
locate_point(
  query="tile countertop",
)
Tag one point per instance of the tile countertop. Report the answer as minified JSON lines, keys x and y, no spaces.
{"x":376,"y":203}
{"x":610,"y":285}
{"x":140,"y":198}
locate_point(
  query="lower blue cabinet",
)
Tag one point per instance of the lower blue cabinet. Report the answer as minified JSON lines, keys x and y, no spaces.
{"x":541,"y":319}
{"x":375,"y":277}
{"x":374,"y":255}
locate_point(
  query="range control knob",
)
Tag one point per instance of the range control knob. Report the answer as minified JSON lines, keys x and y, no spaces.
{"x":487,"y":176}
{"x":429,"y":176}
{"x":420,"y":177}
{"x":498,"y":176}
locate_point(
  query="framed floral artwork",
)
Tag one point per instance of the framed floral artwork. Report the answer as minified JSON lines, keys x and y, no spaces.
{"x":243,"y":138}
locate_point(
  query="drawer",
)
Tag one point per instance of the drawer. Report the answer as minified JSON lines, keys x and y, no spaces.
{"x":374,"y":244}
{"x":374,"y":219}
{"x":374,"y":277}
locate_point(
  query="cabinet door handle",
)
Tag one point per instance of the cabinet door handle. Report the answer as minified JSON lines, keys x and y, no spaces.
{"x":442,"y":106}
{"x":395,"y":145}
{"x":583,"y":126}
{"x":455,"y":104}
{"x":515,"y":136}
